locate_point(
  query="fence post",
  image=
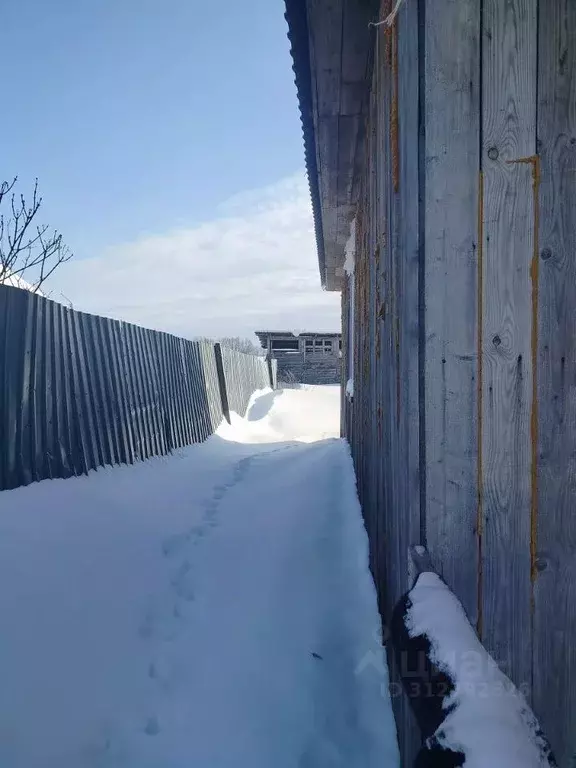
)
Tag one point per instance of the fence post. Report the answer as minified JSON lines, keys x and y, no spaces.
{"x":222,"y":381}
{"x":270,"y":372}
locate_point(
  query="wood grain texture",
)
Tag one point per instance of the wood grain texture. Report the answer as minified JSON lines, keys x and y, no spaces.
{"x":406,"y":81}
{"x":555,"y":585}
{"x":381,"y":257}
{"x":452,"y":108}
{"x":509,"y":136}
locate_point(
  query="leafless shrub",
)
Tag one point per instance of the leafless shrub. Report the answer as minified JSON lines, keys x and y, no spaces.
{"x":29,"y":251}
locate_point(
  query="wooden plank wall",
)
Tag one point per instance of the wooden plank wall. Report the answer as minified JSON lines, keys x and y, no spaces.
{"x":451,"y":180}
{"x":463,"y":421}
{"x":508,"y":146}
{"x":554,"y":637}
{"x":384,"y":414}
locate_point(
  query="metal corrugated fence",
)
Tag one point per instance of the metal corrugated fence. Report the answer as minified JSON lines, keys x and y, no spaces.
{"x":243,"y":374}
{"x":80,"y":391}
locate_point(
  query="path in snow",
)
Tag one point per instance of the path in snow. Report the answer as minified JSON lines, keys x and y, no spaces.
{"x":210,"y":609}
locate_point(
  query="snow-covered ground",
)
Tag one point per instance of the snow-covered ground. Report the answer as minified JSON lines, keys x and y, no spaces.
{"x":210,"y":609}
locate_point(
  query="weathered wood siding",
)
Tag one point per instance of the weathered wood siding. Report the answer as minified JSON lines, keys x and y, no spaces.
{"x":463,"y":420}
{"x":554,"y":633}
{"x":307,"y":368}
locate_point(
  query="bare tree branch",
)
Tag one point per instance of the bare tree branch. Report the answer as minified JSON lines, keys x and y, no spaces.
{"x":26,"y":248}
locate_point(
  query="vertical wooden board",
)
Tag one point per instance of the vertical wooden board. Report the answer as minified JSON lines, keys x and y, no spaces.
{"x":509,"y":138}
{"x":395,"y":574}
{"x":407,"y":520}
{"x":344,"y":320}
{"x":370,"y":331}
{"x":358,"y":347}
{"x":377,"y":212}
{"x":554,"y":695}
{"x":382,"y":210}
{"x":408,"y":298}
{"x":450,"y":177}
{"x":381,"y":111}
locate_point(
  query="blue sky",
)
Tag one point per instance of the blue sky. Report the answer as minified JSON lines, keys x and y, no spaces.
{"x":167,"y":142}
{"x":142,"y":115}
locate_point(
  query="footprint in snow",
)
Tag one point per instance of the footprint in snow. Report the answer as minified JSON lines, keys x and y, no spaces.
{"x":174,"y":544}
{"x":152,"y":727}
{"x":147,"y":625}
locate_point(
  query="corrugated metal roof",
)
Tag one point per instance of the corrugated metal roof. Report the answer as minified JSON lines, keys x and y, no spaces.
{"x":297,"y":18}
{"x":331,"y":47}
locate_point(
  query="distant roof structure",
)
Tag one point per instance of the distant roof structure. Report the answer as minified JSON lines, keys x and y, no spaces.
{"x":264,"y":335}
{"x":332,"y":95}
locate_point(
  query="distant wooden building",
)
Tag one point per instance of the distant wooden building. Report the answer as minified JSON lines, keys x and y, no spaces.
{"x":308,"y":358}
{"x":442,"y":150}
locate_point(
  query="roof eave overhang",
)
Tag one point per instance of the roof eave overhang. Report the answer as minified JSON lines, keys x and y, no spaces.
{"x":331,"y":45}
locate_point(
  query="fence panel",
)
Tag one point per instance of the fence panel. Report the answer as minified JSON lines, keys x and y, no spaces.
{"x":78,"y":391}
{"x":243,"y":377}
